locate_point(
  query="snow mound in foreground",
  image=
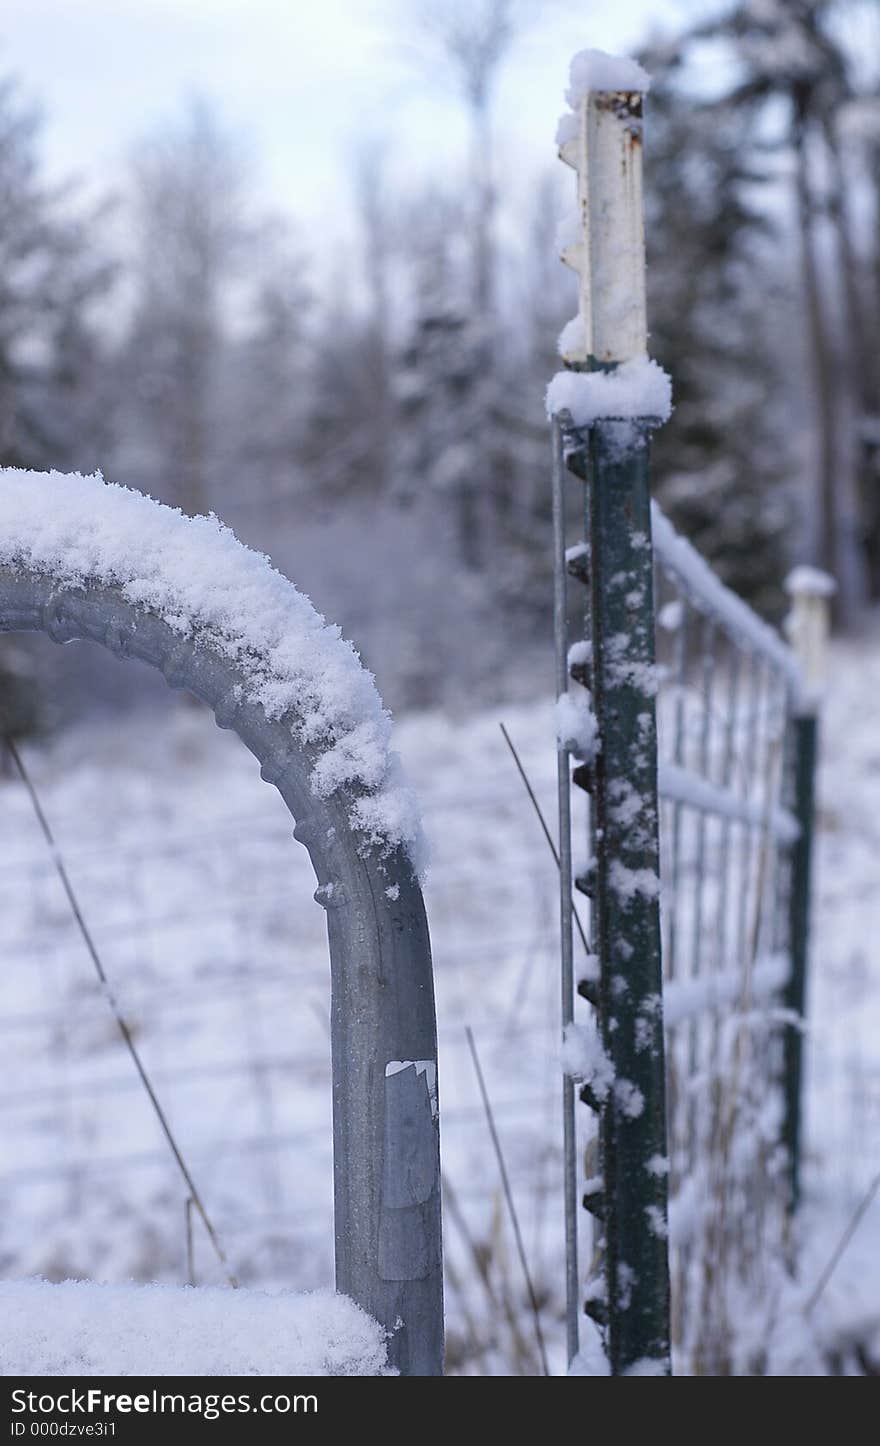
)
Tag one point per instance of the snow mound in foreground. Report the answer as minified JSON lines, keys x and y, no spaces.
{"x":195,"y":575}
{"x":83,"y":1329}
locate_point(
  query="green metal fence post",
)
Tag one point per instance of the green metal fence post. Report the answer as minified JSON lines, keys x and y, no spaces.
{"x":804,"y":738}
{"x":605,"y":245}
{"x":627,"y":930}
{"x":808,"y":625}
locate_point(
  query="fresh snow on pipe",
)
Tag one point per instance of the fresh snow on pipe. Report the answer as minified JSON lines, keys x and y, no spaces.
{"x":576,"y":726}
{"x":685,"y":999}
{"x":597,"y":70}
{"x":572,"y":340}
{"x":679,"y":785}
{"x":811,"y":581}
{"x":566,"y":128}
{"x":584,"y":1058}
{"x":637,"y":388}
{"x":707,"y":590}
{"x":194,"y":574}
{"x":83,"y":1329}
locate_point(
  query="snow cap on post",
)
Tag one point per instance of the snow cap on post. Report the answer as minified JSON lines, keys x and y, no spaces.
{"x":604,"y":242}
{"x":808,"y":625}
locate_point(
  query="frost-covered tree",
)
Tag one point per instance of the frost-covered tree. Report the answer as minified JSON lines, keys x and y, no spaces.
{"x":378,"y":242}
{"x":53,"y":275}
{"x":53,"y":401}
{"x":471,"y":40}
{"x":798,"y":68}
{"x":188,"y":223}
{"x":440,"y":434}
{"x":340,"y":452}
{"x":714,"y":291}
{"x":268,"y":383}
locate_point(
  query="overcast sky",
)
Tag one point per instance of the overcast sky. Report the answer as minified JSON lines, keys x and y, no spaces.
{"x":302,"y":79}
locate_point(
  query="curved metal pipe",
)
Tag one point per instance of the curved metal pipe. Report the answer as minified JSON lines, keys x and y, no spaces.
{"x":383,"y":1027}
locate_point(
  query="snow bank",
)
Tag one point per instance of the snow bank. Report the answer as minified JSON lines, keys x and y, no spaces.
{"x":195,"y":574}
{"x":83,"y":1329}
{"x":637,"y":388}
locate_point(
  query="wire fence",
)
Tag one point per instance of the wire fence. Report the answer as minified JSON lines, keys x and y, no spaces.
{"x":198,"y":900}
{"x":727,"y":692}
{"x":692,"y":729}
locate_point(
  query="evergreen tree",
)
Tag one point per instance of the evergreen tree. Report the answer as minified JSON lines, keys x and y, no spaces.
{"x":189,"y":231}
{"x":792,"y":63}
{"x":269,"y":385}
{"x":54,"y":274}
{"x":440,"y":443}
{"x":720,"y":461}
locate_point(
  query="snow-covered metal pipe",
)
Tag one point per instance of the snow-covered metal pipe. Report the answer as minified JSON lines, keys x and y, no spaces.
{"x":80,"y":559}
{"x":604,"y":242}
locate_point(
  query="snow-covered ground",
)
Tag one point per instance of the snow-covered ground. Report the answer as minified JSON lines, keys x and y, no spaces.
{"x":83,"y":1329}
{"x":843,"y":1043}
{"x":200,"y":901}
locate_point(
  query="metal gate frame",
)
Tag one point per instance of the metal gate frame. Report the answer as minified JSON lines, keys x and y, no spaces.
{"x":383,"y":1027}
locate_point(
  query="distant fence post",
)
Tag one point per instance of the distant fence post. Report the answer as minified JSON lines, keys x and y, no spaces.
{"x":808,"y":624}
{"x":606,"y":410}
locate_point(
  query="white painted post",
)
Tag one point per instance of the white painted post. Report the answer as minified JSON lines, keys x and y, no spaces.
{"x":603,"y":143}
{"x":808,"y":626}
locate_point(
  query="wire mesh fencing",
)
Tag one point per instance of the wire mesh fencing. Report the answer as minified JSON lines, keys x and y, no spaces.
{"x":728,"y":690}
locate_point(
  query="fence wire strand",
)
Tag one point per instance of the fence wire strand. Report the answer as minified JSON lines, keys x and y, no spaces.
{"x":121,"y":1022}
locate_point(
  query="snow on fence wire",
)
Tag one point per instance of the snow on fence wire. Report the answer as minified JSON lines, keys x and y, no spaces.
{"x":736,"y":730}
{"x":736,"y":752}
{"x":81,"y":560}
{"x":694,"y":746}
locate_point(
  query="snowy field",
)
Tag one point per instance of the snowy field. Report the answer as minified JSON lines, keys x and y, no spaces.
{"x":200,"y":902}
